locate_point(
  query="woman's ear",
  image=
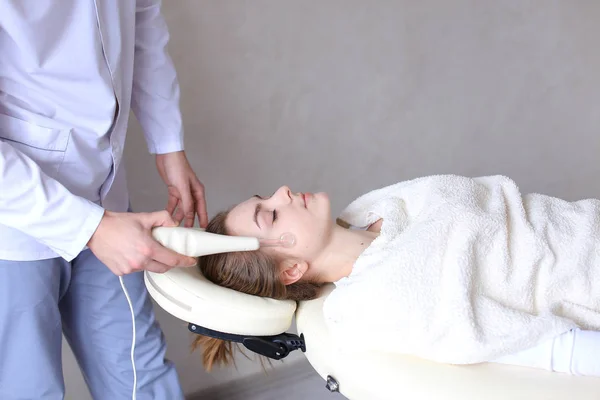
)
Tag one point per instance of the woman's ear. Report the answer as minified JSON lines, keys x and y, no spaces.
{"x":292,"y":271}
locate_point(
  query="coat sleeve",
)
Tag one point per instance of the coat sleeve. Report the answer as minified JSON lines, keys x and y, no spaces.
{"x":41,"y":207}
{"x":156,"y":91}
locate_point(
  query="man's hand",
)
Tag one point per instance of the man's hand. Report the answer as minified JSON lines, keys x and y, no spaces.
{"x":124,"y":243}
{"x":186,"y":192}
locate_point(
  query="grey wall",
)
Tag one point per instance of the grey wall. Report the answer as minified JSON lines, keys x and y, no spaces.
{"x":349,"y":95}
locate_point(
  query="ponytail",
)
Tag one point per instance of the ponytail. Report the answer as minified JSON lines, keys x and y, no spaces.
{"x":214,"y":351}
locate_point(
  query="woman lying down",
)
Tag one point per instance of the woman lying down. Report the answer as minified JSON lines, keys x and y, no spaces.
{"x":446,"y":268}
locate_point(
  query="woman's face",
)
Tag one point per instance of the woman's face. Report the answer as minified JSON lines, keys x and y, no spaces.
{"x":307,"y":216}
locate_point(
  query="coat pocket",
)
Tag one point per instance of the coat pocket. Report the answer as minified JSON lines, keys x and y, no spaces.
{"x":45,"y":146}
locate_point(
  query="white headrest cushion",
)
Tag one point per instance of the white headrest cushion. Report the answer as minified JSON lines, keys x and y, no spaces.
{"x":188,"y":295}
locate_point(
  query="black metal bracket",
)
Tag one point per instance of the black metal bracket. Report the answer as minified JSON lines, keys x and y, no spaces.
{"x":275,"y":347}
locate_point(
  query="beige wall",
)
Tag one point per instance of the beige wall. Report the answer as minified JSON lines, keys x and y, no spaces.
{"x":349,"y":95}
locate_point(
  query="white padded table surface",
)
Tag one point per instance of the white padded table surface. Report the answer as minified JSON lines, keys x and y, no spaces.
{"x":363,"y":376}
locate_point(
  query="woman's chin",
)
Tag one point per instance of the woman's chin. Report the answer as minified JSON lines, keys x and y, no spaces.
{"x":322,"y":196}
{"x":323,"y":205}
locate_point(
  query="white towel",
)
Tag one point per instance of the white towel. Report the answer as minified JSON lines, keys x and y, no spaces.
{"x":468,"y":270}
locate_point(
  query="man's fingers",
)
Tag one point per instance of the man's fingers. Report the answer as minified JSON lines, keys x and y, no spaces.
{"x":203,"y":218}
{"x":172,"y":202}
{"x":160,"y":218}
{"x":171,"y":258}
{"x":187,"y":204}
{"x":178,"y":215}
{"x":155,"y":252}
{"x":154,"y":266}
{"x":200,"y":198}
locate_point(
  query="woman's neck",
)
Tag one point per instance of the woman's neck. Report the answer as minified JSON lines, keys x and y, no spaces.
{"x":340,"y":255}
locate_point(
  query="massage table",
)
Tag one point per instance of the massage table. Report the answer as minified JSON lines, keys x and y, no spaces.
{"x":263,"y":326}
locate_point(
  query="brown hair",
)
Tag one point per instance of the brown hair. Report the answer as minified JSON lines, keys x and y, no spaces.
{"x":254,"y":273}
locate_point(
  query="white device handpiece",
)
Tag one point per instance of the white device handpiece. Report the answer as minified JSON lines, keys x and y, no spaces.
{"x":196,"y":242}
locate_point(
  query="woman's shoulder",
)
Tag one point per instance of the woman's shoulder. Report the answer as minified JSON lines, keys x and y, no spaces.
{"x":367,"y":209}
{"x":374,"y":227}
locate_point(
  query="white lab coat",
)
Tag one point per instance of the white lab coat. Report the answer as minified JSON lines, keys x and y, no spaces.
{"x":70,"y":72}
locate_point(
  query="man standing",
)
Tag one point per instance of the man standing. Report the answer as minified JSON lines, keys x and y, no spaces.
{"x":70,"y":72}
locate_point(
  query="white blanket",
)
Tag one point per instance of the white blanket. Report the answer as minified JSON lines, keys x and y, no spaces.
{"x":468,"y":270}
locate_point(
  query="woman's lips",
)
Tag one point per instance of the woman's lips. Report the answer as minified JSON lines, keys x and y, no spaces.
{"x":306,"y":197}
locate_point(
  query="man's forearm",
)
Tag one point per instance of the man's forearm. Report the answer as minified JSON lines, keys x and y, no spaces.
{"x":156,"y":91}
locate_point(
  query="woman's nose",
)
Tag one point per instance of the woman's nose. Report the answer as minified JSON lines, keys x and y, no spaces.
{"x":283,"y":194}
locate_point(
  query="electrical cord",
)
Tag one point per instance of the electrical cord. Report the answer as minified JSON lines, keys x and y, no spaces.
{"x":133,"y":339}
